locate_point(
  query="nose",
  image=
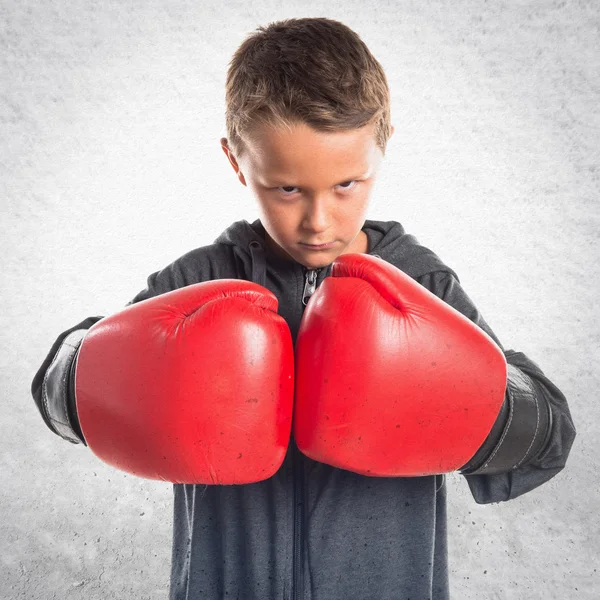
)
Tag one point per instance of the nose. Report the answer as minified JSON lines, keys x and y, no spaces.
{"x":317,"y":215}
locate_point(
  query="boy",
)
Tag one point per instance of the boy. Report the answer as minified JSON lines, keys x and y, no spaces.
{"x":308,"y":122}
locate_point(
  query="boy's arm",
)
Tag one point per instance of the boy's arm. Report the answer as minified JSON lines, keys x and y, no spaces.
{"x":51,"y":387}
{"x":534,"y":432}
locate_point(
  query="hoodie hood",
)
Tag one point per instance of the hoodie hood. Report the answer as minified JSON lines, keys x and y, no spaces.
{"x":387,"y":239}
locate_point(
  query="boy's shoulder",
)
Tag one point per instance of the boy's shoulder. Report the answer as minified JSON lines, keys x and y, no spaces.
{"x":390,"y":241}
{"x":220,"y":254}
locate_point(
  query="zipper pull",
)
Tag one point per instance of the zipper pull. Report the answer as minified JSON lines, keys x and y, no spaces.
{"x":310,"y":285}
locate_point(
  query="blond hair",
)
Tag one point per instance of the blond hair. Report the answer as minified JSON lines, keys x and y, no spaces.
{"x":315,"y":71}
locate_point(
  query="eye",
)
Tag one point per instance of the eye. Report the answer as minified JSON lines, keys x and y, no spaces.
{"x":291,"y":187}
{"x":350,"y":188}
{"x":288,"y":187}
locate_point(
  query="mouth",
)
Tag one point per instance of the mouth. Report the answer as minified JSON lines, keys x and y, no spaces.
{"x":317,"y":246}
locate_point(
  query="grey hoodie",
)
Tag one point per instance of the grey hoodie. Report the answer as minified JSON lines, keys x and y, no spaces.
{"x":312,"y":531}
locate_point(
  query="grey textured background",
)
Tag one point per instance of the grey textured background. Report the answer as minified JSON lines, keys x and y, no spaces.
{"x":111,"y":168}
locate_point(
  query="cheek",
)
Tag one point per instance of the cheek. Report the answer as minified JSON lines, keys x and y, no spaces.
{"x":267,"y":208}
{"x":357,"y":209}
{"x":280,"y":217}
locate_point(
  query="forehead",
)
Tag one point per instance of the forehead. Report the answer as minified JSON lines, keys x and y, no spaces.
{"x":301,"y":151}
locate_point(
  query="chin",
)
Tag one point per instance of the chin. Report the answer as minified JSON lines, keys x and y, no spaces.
{"x":319,"y":265}
{"x":317,"y":262}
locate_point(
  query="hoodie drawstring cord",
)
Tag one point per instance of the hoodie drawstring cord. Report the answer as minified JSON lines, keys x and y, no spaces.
{"x":259,"y":263}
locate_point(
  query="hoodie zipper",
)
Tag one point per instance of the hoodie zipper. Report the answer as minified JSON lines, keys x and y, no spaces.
{"x":297,"y":537}
{"x":310,"y":285}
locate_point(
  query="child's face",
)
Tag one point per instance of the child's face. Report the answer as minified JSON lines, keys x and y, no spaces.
{"x":312,"y":188}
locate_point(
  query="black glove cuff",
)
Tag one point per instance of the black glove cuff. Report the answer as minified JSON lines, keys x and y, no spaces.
{"x":58,"y":392}
{"x":525,"y":433}
{"x":71,"y":403}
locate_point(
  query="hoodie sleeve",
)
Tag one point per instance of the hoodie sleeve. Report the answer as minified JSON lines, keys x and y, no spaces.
{"x":533,"y":433}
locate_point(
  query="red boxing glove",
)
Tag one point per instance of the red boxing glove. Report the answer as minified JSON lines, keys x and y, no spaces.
{"x":391,"y":380}
{"x":192,"y":386}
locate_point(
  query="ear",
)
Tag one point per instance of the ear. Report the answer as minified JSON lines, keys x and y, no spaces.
{"x":229,"y":154}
